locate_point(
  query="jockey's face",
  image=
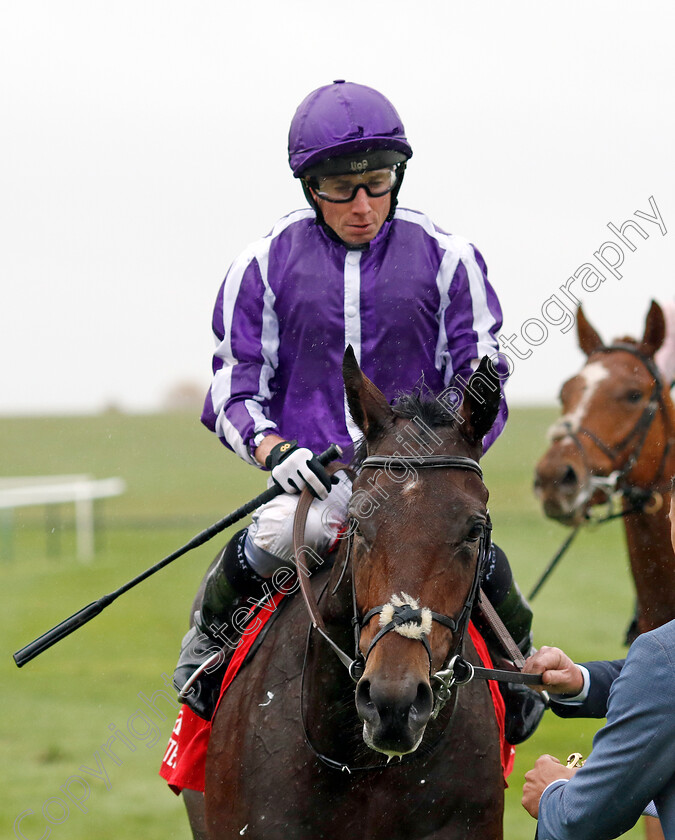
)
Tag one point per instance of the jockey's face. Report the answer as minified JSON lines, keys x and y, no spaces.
{"x":358,"y":221}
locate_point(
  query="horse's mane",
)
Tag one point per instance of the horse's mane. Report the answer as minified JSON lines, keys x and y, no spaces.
{"x":420,"y":404}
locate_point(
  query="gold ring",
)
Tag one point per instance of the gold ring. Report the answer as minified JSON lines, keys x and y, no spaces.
{"x":575,"y":759}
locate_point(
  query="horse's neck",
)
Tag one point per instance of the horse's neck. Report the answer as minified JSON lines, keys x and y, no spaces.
{"x":649,"y":544}
{"x":653,"y":566}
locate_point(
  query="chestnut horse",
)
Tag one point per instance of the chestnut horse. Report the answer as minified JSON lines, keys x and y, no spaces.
{"x":295,"y":750}
{"x":616,"y":436}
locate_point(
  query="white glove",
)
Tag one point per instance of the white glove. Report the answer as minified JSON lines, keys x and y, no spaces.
{"x":294,"y":468}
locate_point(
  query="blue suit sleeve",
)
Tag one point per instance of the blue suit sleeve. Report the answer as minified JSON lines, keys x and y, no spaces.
{"x":602,"y":676}
{"x":632,"y":755}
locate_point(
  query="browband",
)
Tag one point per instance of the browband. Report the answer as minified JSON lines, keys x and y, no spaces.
{"x":404,"y":462}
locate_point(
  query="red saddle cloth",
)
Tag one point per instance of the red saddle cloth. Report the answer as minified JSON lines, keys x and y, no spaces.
{"x":184,"y":761}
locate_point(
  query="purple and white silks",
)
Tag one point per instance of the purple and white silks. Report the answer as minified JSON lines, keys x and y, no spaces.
{"x":416,"y":304}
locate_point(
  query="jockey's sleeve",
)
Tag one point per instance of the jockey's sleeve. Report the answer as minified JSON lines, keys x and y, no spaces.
{"x":244,"y":326}
{"x":473,"y":319}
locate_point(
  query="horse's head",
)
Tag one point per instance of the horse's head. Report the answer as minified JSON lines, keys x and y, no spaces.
{"x":614,"y":430}
{"x":418,"y":517}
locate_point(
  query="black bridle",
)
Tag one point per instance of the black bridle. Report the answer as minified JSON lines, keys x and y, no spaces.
{"x":456,"y":671}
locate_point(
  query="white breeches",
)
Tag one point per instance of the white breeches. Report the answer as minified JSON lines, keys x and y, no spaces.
{"x":269,"y":542}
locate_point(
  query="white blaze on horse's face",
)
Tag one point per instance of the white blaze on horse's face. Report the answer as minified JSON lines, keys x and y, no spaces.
{"x":569,"y":424}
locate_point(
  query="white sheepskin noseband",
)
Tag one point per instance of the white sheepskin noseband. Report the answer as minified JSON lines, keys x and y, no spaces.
{"x":409,"y":629}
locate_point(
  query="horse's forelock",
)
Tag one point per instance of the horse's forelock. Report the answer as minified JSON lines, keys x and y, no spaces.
{"x":425,"y":407}
{"x":419,"y":405}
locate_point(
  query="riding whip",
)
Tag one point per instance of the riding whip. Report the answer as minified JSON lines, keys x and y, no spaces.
{"x":69,"y":625}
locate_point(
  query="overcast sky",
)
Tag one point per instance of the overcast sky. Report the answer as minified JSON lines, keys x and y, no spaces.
{"x":144,"y":145}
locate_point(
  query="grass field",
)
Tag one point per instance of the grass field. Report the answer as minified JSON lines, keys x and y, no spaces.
{"x":61,"y":708}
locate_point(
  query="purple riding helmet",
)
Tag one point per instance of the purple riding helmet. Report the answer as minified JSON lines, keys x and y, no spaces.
{"x":346,"y":128}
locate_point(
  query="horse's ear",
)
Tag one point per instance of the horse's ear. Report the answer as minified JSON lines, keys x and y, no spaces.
{"x":480,"y":405}
{"x":589,"y":340}
{"x":367,"y":404}
{"x":655,"y":331}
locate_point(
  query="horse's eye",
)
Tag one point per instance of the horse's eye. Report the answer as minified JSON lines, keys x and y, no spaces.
{"x":475,"y":533}
{"x":633,"y":396}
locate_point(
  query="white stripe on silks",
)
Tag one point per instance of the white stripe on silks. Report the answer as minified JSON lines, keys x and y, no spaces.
{"x":446,"y":271}
{"x":269,"y":338}
{"x":225,"y":429}
{"x":454,"y":247}
{"x":483,"y":320}
{"x":221,"y":387}
{"x":262,"y":422}
{"x":269,"y":335}
{"x":352,"y":316}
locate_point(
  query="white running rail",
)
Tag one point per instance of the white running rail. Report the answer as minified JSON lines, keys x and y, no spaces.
{"x":81,"y":490}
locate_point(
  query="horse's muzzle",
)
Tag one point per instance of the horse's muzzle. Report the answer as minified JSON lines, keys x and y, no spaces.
{"x":394,"y":713}
{"x":559,"y":485}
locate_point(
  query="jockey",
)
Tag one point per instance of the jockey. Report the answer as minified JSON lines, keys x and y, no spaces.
{"x":353,"y":268}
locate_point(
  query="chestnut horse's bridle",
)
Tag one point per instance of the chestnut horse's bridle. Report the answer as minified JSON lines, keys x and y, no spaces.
{"x":638,"y":499}
{"x":616,"y":480}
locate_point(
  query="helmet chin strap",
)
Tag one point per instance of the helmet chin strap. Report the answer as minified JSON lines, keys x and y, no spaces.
{"x":329,"y":230}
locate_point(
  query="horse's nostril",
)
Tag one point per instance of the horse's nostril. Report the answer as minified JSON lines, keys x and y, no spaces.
{"x":420,"y":709}
{"x":569,"y":476}
{"x":364,"y":703}
{"x":363,"y":691}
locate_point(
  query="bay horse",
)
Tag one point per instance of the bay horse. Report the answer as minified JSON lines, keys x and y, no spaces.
{"x":616,"y":435}
{"x":296,"y":750}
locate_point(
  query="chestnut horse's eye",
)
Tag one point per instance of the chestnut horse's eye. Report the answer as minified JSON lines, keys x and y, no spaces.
{"x":633,"y":396}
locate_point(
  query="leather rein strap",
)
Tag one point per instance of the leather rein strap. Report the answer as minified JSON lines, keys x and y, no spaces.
{"x":304,"y":504}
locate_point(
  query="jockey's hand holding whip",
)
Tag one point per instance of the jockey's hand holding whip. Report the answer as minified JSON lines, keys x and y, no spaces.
{"x":295,"y":467}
